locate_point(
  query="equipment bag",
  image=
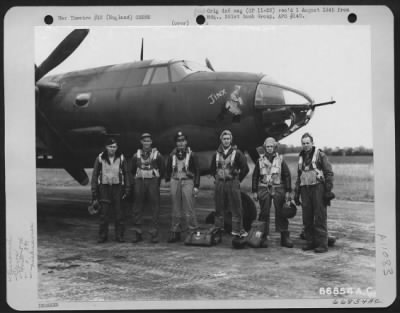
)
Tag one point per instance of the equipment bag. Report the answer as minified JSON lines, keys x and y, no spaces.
{"x":257,"y":230}
{"x":204,"y":237}
{"x":256,"y":234}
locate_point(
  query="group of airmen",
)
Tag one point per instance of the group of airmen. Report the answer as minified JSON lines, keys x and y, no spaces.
{"x":271,"y":181}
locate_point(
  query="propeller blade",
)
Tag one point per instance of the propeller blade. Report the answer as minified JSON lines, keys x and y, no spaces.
{"x":61,"y":52}
{"x":209,"y":65}
{"x":59,"y":148}
{"x":141,"y":52}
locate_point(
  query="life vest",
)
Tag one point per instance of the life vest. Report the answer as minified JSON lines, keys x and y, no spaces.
{"x":180,"y":168}
{"x":147,"y":168}
{"x":225,"y":169}
{"x":310,"y":175}
{"x":270,"y":173}
{"x":111,"y":174}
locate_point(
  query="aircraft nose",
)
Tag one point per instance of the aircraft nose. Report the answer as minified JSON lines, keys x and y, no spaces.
{"x":281,"y":109}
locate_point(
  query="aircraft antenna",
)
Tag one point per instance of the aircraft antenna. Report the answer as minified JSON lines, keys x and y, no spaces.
{"x":141,"y":52}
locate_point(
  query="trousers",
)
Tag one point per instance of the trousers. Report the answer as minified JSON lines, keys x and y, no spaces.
{"x":110,"y":200}
{"x":146,"y":189}
{"x":314,"y":215}
{"x":227,"y":196}
{"x":182,"y":205}
{"x":266,"y":196}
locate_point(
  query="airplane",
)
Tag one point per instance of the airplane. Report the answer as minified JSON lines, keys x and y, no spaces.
{"x":77,"y":110}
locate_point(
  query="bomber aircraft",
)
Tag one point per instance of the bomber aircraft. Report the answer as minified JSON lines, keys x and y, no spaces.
{"x":75,"y":111}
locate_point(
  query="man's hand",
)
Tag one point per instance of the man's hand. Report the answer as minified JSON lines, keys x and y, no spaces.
{"x":94,"y":207}
{"x":287,"y":196}
{"x":297,"y":198}
{"x":195,"y":191}
{"x":328,"y":196}
{"x":255,"y":196}
{"x":126,"y":195}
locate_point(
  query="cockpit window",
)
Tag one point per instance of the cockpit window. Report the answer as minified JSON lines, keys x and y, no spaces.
{"x":160,"y":75}
{"x":294,"y":98}
{"x":181,"y":69}
{"x":269,"y":94}
{"x":147,"y":77}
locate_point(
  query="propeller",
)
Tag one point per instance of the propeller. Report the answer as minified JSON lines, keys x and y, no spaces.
{"x":61,"y":52}
{"x":209,"y":65}
{"x":61,"y":150}
{"x":56,"y":143}
{"x":141,"y":52}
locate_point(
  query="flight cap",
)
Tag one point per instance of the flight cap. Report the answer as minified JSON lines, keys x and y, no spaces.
{"x":145,"y":135}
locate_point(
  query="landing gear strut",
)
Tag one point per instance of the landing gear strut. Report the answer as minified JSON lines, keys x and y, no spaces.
{"x":249,"y":214}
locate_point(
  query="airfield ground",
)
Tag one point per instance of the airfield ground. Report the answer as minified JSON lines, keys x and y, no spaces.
{"x":73,"y":267}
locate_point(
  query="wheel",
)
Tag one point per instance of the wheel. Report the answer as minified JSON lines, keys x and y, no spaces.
{"x":249,"y":214}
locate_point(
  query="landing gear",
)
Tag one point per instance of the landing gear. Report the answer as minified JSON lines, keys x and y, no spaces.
{"x":249,"y":214}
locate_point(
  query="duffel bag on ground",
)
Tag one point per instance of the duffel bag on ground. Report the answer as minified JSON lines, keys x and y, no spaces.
{"x":256,"y":234}
{"x":204,"y":237}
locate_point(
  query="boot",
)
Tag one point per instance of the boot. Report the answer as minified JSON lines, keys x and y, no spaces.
{"x":264,"y":243}
{"x":238,"y":242}
{"x":102,"y":240}
{"x":174,"y":237}
{"x":218,"y":236}
{"x":120,"y":239}
{"x":137,"y":237}
{"x":285,"y":240}
{"x":154,"y":237}
{"x":119,"y":233}
{"x":331,"y":241}
{"x":308,"y":246}
{"x":321,"y":249}
{"x":103,"y":233}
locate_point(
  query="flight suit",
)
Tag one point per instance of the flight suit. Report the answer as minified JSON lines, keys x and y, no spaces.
{"x":271,"y":180}
{"x":183,"y":172}
{"x":229,"y":170}
{"x":147,"y":170}
{"x":314,"y":179}
{"x":109,"y":182}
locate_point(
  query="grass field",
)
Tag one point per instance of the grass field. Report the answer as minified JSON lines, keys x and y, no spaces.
{"x":353,"y":177}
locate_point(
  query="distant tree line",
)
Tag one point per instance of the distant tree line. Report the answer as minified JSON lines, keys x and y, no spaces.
{"x":360,"y":150}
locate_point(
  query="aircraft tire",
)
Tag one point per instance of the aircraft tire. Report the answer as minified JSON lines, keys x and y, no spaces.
{"x":249,"y":214}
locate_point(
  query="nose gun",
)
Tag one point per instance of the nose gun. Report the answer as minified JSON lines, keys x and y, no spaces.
{"x":321,"y":104}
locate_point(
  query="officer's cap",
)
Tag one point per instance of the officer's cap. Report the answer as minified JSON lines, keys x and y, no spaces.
{"x":145,"y":135}
{"x":110,"y":141}
{"x":180,"y":136}
{"x":226,"y":132}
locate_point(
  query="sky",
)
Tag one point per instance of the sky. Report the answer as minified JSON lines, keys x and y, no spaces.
{"x":329,"y":62}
